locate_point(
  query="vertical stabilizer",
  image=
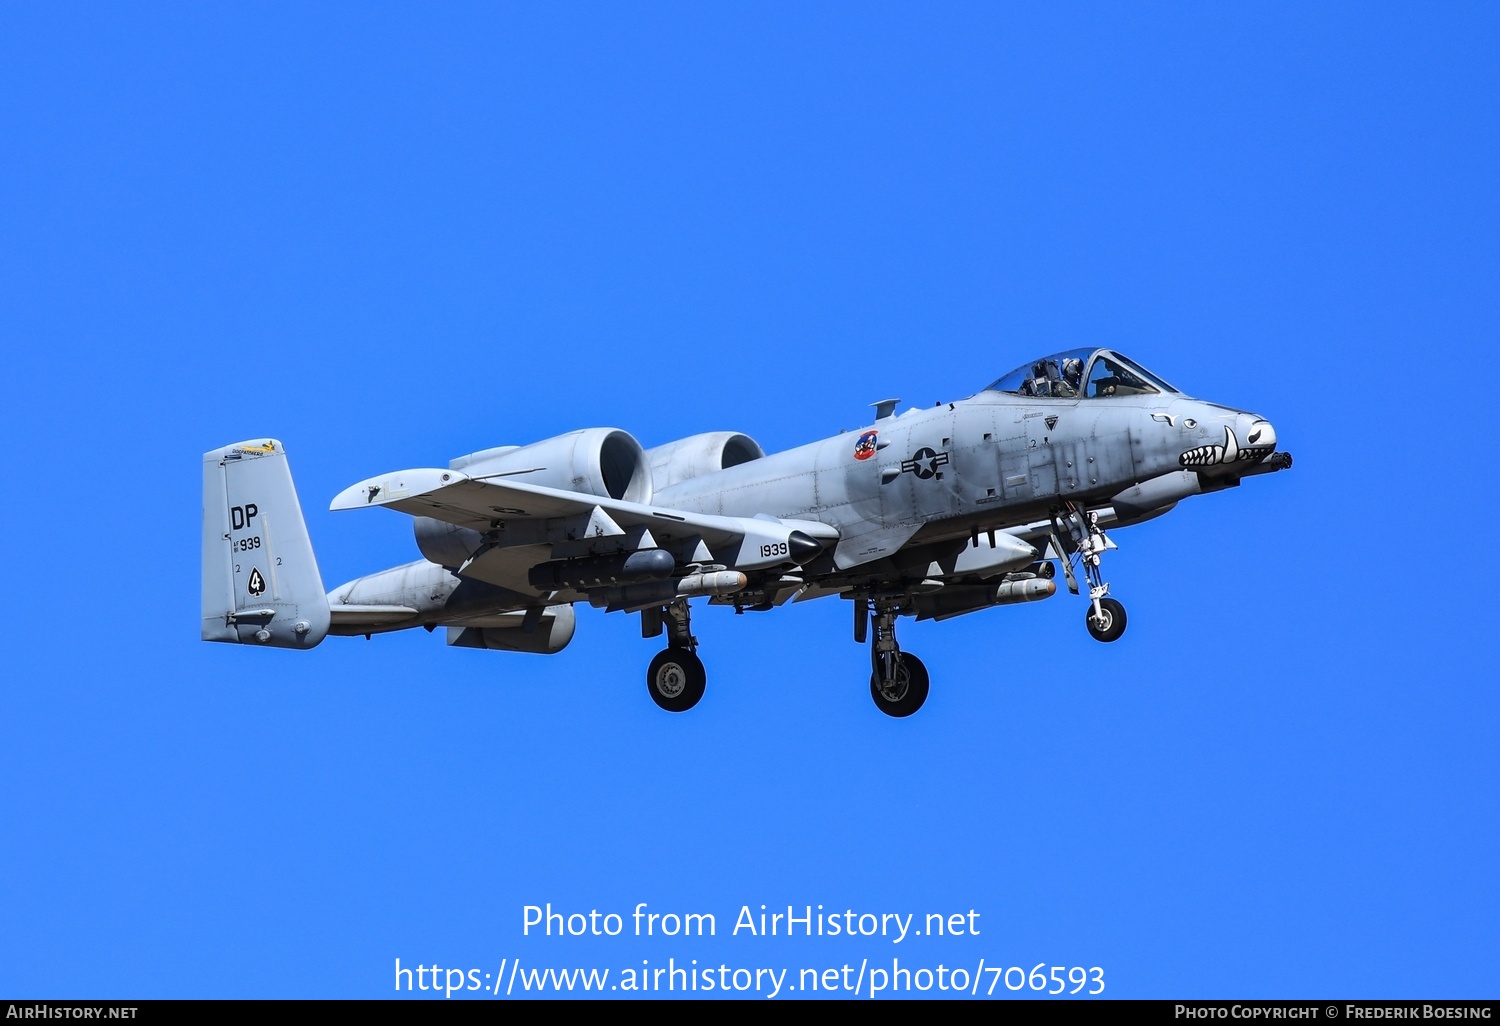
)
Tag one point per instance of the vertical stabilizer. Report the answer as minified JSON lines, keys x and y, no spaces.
{"x":261,"y":584}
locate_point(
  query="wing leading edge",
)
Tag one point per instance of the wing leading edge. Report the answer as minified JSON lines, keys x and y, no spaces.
{"x":510,"y":513}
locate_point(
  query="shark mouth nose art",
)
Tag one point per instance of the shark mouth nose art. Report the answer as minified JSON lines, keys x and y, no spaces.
{"x":1261,"y":442}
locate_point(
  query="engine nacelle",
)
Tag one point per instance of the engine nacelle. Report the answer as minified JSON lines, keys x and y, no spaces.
{"x":443,"y":543}
{"x":702,"y":454}
{"x":595,"y":461}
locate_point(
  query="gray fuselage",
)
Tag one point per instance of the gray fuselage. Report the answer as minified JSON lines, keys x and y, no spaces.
{"x":991,"y":461}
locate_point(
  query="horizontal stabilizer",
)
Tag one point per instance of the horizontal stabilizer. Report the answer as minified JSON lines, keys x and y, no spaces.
{"x":255,"y":616}
{"x":344,"y":616}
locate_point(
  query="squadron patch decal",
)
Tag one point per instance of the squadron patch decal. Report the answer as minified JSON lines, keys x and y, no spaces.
{"x":1051,"y":422}
{"x":864,"y":448}
{"x":241,"y":451}
{"x":257,"y":582}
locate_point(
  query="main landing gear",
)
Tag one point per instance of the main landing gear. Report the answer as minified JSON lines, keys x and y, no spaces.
{"x":676,"y":678}
{"x":898,"y":680}
{"x":1105,"y":618}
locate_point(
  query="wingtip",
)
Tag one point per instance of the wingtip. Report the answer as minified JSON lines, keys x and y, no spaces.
{"x":388,"y":488}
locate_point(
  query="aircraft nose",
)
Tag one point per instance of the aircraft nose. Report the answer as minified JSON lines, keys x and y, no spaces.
{"x":1242,"y":440}
{"x":1258,"y":432}
{"x":1253,"y":436}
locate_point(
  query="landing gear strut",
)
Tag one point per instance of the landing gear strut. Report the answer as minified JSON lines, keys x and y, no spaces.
{"x":675,"y":678}
{"x":1106,"y":616}
{"x":898,"y":681}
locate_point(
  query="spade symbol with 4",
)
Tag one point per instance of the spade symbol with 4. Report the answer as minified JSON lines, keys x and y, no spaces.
{"x":257,"y":582}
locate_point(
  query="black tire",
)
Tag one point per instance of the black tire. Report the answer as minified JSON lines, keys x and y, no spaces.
{"x":907,"y":699}
{"x":1114,"y":620}
{"x":676,"y":679}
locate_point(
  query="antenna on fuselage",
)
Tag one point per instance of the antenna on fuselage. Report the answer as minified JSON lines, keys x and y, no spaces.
{"x":885,"y":408}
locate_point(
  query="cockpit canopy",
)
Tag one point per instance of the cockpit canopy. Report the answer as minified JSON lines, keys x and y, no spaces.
{"x":1081,"y":374}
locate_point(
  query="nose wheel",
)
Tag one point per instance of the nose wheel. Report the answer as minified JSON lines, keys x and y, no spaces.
{"x":1109,"y":622}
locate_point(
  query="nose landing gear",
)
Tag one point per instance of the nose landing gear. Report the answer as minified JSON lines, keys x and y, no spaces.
{"x":1106,"y":616}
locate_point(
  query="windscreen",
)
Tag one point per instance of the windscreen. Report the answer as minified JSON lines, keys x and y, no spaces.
{"x":1081,"y":374}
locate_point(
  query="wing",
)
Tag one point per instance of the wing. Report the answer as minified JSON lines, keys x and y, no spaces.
{"x":511,"y":515}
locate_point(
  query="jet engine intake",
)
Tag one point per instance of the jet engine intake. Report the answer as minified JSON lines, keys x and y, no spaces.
{"x":697,"y":455}
{"x":595,"y":461}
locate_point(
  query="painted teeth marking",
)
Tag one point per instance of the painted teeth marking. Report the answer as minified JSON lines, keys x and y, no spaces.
{"x":1231,"y":446}
{"x":1207,"y":455}
{"x":1202,"y":456}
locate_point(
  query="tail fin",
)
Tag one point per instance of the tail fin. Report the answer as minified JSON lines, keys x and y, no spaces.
{"x":260,"y":580}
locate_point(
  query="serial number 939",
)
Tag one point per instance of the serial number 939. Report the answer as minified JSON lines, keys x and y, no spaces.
{"x":246,"y":544}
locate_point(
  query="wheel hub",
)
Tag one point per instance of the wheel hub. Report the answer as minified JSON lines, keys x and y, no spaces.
{"x":671,"y":680}
{"x":895,"y":690}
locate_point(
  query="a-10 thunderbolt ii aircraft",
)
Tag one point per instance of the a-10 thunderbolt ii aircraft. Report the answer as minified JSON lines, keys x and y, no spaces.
{"x":933,"y":513}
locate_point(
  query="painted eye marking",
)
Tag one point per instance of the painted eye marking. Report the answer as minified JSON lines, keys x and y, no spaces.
{"x":1190,"y":423}
{"x":1254,"y":436}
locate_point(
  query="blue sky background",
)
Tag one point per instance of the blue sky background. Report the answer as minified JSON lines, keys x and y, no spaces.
{"x":389,"y":235}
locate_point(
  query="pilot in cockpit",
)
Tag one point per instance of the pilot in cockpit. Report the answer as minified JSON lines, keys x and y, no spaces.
{"x":1072,"y":372}
{"x":1046,"y":381}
